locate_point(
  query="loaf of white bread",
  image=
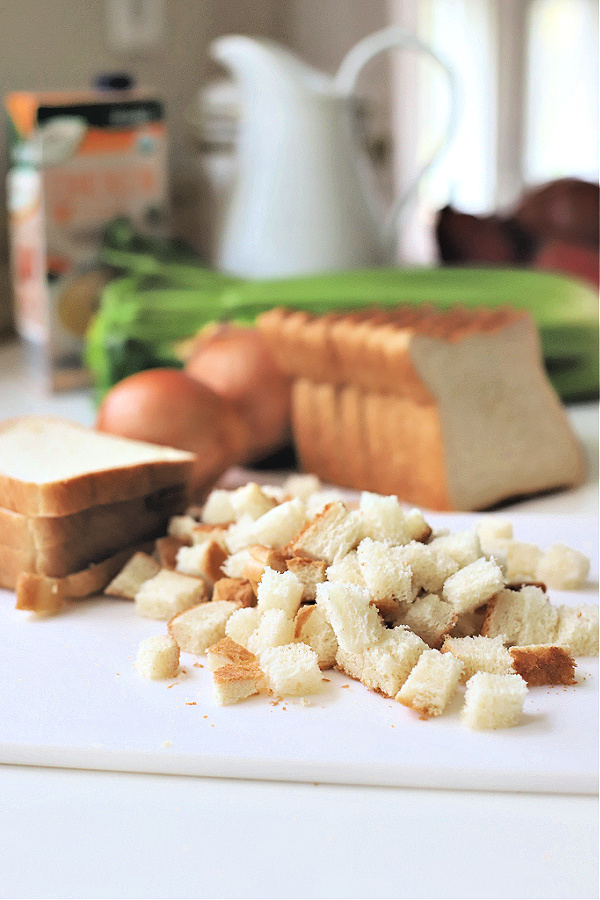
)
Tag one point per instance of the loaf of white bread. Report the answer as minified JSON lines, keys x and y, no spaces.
{"x":75,"y":503}
{"x":448,"y":410}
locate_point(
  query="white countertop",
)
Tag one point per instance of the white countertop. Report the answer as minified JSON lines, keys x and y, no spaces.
{"x":81,"y":833}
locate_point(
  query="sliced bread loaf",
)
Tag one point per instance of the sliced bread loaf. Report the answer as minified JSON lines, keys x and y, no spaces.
{"x":449,"y":410}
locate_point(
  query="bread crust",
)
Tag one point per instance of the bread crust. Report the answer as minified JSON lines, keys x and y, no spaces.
{"x":108,"y":522}
{"x":544,"y":664}
{"x":57,"y":546}
{"x":30,"y":586}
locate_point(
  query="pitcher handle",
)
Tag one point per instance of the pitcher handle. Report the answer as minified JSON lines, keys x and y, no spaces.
{"x":356,"y":59}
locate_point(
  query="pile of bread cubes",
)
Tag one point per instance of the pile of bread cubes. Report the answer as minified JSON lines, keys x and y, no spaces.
{"x":274,"y":585}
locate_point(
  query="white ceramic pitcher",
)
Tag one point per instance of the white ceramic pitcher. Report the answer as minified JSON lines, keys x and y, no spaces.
{"x":302,"y":201}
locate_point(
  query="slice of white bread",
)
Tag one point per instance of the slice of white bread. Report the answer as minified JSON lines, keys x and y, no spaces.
{"x":52,"y":467}
{"x":59,"y":545}
{"x":424,"y":427}
{"x":44,"y":594}
{"x":108,"y":524}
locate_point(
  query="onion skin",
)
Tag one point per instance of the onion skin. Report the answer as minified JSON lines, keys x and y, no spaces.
{"x":236,"y":363}
{"x":566,"y":209}
{"x":168,"y":407}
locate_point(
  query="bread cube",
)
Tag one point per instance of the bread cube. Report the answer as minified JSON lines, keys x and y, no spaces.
{"x":311,"y":627}
{"x":140,"y":568}
{"x":432,"y":683}
{"x":242,"y":623}
{"x":239,"y":590}
{"x":383,"y":666}
{"x":168,"y":593}
{"x":480,"y":654}
{"x":274,"y":629}
{"x":204,"y":560}
{"x":416,"y":526}
{"x":251,"y":500}
{"x":275,"y":528}
{"x":233,"y":683}
{"x":521,"y":617}
{"x":259,"y":558}
{"x":40,"y":593}
{"x":198,"y":628}
{"x":347,"y":568}
{"x":227,"y":652}
{"x":464,"y":547}
{"x":473,"y":585}
{"x":383,"y":518}
{"x":317,"y":501}
{"x":430,"y":568}
{"x":280,"y":590}
{"x":521,"y":560}
{"x":301,"y":485}
{"x":385,"y":571}
{"x":562,"y":568}
{"x":236,"y":563}
{"x":348,"y":609}
{"x":202,"y":532}
{"x":430,"y":617}
{"x":493,"y":701}
{"x":182,"y":528}
{"x":577,"y":629}
{"x":329,"y":535}
{"x":544,"y":664}
{"x":158,"y":657}
{"x":309,"y":573}
{"x":218,"y":507}
{"x":280,"y":524}
{"x":494,"y":532}
{"x":292,"y":670}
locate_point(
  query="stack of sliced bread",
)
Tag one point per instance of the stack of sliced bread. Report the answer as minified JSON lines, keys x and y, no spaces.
{"x":448,"y":410}
{"x":74,"y":503}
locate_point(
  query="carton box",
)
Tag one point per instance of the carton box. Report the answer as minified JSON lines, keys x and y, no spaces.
{"x":77,"y":161}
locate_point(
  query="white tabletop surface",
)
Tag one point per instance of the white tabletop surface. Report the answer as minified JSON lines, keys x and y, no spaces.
{"x":80,"y":833}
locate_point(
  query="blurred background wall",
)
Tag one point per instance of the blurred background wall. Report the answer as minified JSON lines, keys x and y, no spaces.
{"x":515,"y":127}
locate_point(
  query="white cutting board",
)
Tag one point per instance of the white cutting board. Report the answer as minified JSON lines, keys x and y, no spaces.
{"x":71,"y":697}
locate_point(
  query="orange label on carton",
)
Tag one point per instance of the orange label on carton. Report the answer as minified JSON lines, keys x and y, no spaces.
{"x":78,"y":160}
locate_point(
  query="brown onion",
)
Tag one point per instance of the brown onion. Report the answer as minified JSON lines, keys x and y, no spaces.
{"x":236,"y":363}
{"x":166,"y":406}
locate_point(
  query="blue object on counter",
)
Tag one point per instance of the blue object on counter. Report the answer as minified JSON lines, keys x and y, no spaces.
{"x":113,"y":81}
